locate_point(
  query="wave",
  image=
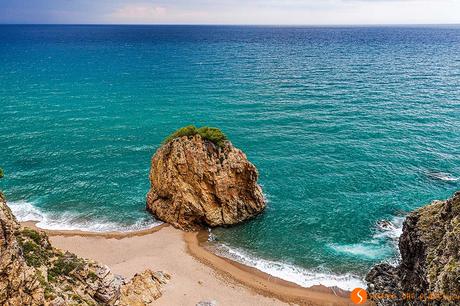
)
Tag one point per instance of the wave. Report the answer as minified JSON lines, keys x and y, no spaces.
{"x":365,"y":250}
{"x":382,"y":245}
{"x":442,"y":176}
{"x":290,"y":272}
{"x":143,"y":148}
{"x":26,"y":211}
{"x":390,"y":229}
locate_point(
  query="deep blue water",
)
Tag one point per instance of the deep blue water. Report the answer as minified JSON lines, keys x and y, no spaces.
{"x":347,"y":126}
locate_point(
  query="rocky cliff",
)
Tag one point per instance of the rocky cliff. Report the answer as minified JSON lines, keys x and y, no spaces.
{"x":429,"y":271}
{"x":32,"y":272}
{"x":196,"y":183}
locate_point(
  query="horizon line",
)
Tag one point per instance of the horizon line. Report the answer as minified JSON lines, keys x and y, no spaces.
{"x":237,"y":24}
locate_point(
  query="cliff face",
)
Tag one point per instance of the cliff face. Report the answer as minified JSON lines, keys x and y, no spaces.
{"x":430,"y":258}
{"x":195,"y":183}
{"x":32,"y":272}
{"x":19,"y":284}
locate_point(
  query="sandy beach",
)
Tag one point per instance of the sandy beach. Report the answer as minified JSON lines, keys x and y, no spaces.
{"x":196,"y":273}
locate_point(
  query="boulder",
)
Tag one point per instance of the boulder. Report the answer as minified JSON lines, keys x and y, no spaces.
{"x":197,"y":183}
{"x":143,"y":289}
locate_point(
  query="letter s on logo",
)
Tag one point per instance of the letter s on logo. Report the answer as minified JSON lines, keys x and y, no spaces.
{"x":358,"y":296}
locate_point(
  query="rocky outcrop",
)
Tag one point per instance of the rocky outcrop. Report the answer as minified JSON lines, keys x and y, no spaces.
{"x":19,"y":283}
{"x":429,"y":271}
{"x":196,"y":183}
{"x":32,"y":272}
{"x":143,"y":289}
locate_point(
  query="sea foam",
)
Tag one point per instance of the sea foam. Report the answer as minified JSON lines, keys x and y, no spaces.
{"x":442,"y":176}
{"x":289,"y":272}
{"x":26,"y":211}
{"x":382,"y":245}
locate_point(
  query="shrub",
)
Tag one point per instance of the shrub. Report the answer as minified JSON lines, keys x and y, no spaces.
{"x":34,"y":255}
{"x":212,"y":134}
{"x":189,"y":130}
{"x":63,"y":266}
{"x":49,"y":291}
{"x":34,"y":235}
{"x":92,"y":276}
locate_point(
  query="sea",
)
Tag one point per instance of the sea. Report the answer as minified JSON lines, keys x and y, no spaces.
{"x":350,"y":128}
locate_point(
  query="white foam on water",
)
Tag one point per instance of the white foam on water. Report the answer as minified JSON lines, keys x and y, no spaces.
{"x":442,"y":176}
{"x":392,"y":232}
{"x":390,"y":229}
{"x":139,"y":148}
{"x":290,"y":272}
{"x":371,"y":249}
{"x":382,"y":244}
{"x":26,"y":211}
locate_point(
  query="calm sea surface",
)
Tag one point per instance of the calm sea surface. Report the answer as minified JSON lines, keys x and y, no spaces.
{"x":347,"y":126}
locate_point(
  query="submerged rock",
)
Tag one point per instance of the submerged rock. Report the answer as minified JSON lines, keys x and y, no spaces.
{"x":32,"y":272}
{"x":197,"y":183}
{"x":429,"y":272}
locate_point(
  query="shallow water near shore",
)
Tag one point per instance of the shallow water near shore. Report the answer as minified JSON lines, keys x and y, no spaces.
{"x":347,"y":126}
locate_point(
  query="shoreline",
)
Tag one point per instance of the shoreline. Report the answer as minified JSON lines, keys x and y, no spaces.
{"x":108,"y":235}
{"x":255,"y":279}
{"x":233,"y":274}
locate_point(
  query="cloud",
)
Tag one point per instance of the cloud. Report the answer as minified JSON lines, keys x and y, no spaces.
{"x":138,"y":13}
{"x":231,"y":11}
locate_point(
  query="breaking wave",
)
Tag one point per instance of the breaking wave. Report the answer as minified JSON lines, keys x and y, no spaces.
{"x":26,"y":211}
{"x":290,"y":272}
{"x":382,"y":245}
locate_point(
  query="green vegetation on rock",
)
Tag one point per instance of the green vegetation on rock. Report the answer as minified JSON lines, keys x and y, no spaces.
{"x":64,"y":265}
{"x":92,"y":276}
{"x":212,"y":134}
{"x":34,"y":235}
{"x":35,"y":247}
{"x":430,"y":257}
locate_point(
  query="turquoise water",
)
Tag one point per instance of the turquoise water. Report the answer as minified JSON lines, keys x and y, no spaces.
{"x":347,"y":126}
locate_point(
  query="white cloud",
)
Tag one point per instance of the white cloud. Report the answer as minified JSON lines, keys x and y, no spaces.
{"x":284,"y":12}
{"x":138,"y":13}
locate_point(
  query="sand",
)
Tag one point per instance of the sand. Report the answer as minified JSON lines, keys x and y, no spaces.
{"x":196,"y":273}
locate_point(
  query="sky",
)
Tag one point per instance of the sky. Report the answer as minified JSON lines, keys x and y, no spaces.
{"x":275,"y":12}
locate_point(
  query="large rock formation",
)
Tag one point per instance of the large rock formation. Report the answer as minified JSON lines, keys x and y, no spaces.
{"x":196,"y":183}
{"x":32,"y":272}
{"x":429,"y":272}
